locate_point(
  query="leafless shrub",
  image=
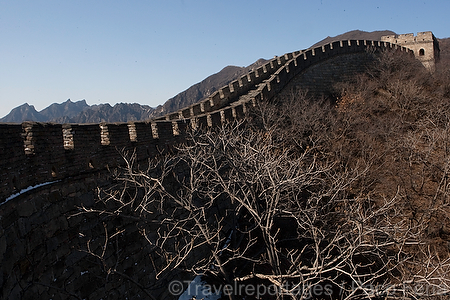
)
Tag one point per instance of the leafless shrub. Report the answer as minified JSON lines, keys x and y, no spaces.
{"x":314,"y":200}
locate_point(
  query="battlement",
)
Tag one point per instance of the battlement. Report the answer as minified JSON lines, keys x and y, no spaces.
{"x":409,"y":38}
{"x":265,"y":75}
{"x":425,"y":46}
{"x":36,"y":153}
{"x":231,"y":92}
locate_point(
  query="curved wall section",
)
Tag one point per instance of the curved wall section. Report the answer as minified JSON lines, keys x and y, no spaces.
{"x":319,"y":79}
{"x":36,"y":153}
{"x":40,"y":241}
{"x":43,"y":244}
{"x":231,"y":92}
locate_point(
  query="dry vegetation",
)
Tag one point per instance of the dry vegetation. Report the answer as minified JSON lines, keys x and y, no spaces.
{"x":345,"y":199}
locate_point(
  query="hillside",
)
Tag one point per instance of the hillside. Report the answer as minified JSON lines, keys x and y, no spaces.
{"x":206,"y":87}
{"x":344,"y":197}
{"x":444,"y":45}
{"x":354,"y":35}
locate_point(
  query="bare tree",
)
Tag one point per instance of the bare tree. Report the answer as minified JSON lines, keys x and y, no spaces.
{"x":239,"y":209}
{"x":305,"y":200}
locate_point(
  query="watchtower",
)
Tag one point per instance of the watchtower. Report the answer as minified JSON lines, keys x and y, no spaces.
{"x":425,"y":46}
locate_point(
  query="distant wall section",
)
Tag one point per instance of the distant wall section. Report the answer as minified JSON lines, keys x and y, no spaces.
{"x":320,"y":79}
{"x":425,"y":46}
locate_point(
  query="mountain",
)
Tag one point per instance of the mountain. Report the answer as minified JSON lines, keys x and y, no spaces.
{"x":68,"y":108}
{"x":81,"y":112}
{"x":206,"y":87}
{"x":354,"y":35}
{"x":25,"y":112}
{"x":121,"y":112}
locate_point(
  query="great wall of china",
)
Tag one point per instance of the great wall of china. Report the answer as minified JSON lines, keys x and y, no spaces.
{"x":63,"y":163}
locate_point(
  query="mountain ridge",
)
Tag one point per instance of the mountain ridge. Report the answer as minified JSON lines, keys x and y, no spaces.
{"x":81,"y":112}
{"x":26,"y":112}
{"x":204,"y":88}
{"x":354,"y":35}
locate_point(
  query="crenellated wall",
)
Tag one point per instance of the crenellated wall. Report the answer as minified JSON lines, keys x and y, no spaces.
{"x":36,"y":153}
{"x":65,"y":162}
{"x":424,"y":45}
{"x":231,"y":92}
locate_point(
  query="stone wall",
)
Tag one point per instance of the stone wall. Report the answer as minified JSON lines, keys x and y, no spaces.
{"x":320,"y":79}
{"x":40,"y":242}
{"x":231,"y":92}
{"x":43,"y":244}
{"x":425,"y":46}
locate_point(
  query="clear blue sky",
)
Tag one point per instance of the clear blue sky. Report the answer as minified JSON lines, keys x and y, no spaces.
{"x":147,"y":51}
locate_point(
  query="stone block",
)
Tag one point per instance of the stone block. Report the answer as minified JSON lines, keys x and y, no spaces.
{"x":68,"y":206}
{"x":3,"y":245}
{"x":23,"y":265}
{"x":87,"y":200}
{"x":51,"y":244}
{"x":42,"y":291}
{"x":62,"y":251}
{"x":51,"y":227}
{"x":25,"y":208}
{"x":16,"y":293}
{"x":38,"y":254}
{"x":34,"y":239}
{"x":9,"y":219}
{"x":74,"y":257}
{"x":68,"y":189}
{"x":63,"y":224}
{"x":52,"y":212}
{"x":54,"y":196}
{"x":24,"y":227}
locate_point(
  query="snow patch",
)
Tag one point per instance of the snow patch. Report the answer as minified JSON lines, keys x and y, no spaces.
{"x":31,"y":187}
